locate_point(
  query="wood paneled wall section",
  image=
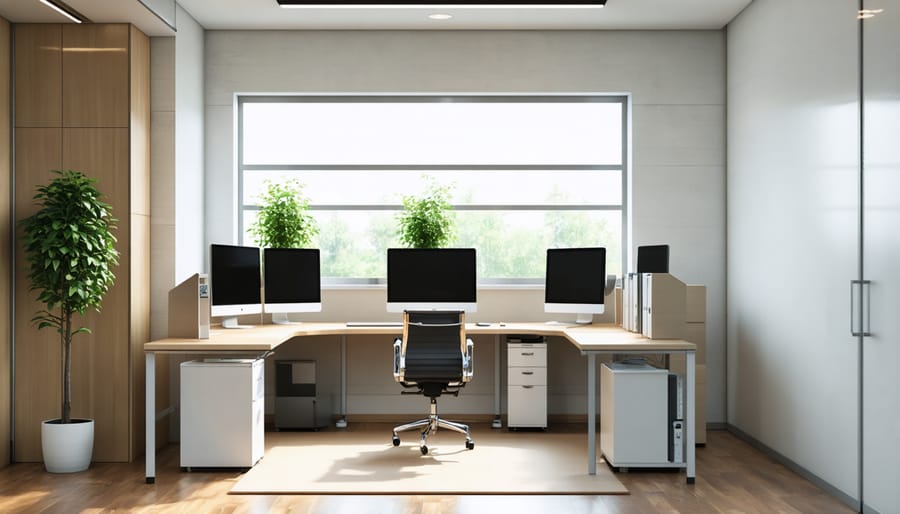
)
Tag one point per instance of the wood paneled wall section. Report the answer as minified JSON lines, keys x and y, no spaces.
{"x":5,"y":226}
{"x":82,"y":103}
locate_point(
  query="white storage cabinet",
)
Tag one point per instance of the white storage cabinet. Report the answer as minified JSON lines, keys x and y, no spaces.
{"x":222,"y":413}
{"x":634,"y":415}
{"x":527,"y":385}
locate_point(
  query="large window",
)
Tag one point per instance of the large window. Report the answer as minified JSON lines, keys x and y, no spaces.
{"x":527,"y":173}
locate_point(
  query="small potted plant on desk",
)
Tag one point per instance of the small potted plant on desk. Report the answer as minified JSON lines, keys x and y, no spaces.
{"x":70,"y":250}
{"x":428,"y":220}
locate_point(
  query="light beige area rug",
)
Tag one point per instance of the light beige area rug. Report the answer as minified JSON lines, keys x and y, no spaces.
{"x":365,"y":462}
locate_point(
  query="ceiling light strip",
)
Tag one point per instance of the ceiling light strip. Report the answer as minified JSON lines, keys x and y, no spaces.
{"x":301,"y":4}
{"x":61,"y":10}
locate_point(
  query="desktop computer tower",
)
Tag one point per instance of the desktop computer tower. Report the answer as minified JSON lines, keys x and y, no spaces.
{"x":676,"y":417}
{"x":296,"y":402}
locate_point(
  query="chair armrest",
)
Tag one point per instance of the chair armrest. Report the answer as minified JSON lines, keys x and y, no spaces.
{"x":399,"y":361}
{"x":469,"y":361}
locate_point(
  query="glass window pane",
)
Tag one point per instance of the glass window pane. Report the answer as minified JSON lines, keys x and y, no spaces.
{"x":432,"y":132}
{"x":470,"y":187}
{"x":510,"y":244}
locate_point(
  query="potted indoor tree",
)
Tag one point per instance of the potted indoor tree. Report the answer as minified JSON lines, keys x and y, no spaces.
{"x":70,"y":250}
{"x":428,"y":219}
{"x":283,"y":220}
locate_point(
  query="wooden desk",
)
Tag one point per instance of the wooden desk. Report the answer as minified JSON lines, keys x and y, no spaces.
{"x":590,"y":340}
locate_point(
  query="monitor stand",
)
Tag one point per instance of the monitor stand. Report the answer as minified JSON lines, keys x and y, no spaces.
{"x":584,"y":319}
{"x":232,"y":322}
{"x":281,"y":318}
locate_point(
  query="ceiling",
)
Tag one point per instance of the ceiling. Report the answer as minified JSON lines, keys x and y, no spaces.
{"x":266,"y":15}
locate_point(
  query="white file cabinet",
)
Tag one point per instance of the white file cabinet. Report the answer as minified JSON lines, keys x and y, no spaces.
{"x":527,"y":384}
{"x":634,"y":415}
{"x":222,"y":414}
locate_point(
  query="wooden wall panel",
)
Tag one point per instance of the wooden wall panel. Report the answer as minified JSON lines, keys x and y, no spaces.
{"x":38,"y":75}
{"x":5,"y":291}
{"x":140,"y":122}
{"x":95,"y":75}
{"x":99,"y":133}
{"x":100,"y":367}
{"x":139,"y":72}
{"x":140,"y":325}
{"x":37,"y":365}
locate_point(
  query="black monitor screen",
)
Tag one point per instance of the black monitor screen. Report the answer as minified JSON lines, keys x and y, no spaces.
{"x":235,"y":275}
{"x":292,"y":275}
{"x":575,"y":275}
{"x":440,"y":275}
{"x":653,"y":259}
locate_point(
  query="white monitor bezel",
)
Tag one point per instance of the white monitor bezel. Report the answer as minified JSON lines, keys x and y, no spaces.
{"x":575,"y":308}
{"x":432,"y":306}
{"x":288,"y":308}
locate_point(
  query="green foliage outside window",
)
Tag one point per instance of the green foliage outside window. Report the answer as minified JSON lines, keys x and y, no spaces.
{"x":283,"y":220}
{"x":428,"y":220}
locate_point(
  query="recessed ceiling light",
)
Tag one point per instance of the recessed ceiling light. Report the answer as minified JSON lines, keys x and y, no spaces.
{"x":440,"y":16}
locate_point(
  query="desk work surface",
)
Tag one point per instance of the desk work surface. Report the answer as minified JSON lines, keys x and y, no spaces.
{"x":597,"y":337}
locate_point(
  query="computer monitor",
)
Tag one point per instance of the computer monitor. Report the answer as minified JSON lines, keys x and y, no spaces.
{"x":575,"y":282}
{"x":431,"y":279}
{"x":292,"y":282}
{"x":235,"y":283}
{"x":653,"y":259}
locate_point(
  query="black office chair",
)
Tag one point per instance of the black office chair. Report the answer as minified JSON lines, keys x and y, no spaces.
{"x":434,"y":357}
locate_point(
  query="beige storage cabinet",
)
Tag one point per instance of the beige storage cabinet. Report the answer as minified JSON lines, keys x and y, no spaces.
{"x":527,"y":384}
{"x":662,"y":306}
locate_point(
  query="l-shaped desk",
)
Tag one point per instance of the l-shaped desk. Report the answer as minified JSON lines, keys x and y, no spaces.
{"x":590,"y":340}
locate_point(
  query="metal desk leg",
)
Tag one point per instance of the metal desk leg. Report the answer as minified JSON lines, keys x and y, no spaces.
{"x":342,"y":423}
{"x":690,"y":416}
{"x":150,"y":415}
{"x":592,"y":413}
{"x":497,"y":423}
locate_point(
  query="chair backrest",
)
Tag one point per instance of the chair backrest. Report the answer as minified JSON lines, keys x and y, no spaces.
{"x":434,"y":343}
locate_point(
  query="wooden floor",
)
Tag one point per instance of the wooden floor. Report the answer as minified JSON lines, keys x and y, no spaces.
{"x":732,"y":477}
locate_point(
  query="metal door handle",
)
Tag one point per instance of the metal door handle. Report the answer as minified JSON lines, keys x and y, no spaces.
{"x":860,"y":312}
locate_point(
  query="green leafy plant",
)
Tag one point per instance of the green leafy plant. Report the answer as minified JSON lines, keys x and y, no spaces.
{"x":283,"y":220}
{"x":428,"y":220}
{"x":71,"y":251}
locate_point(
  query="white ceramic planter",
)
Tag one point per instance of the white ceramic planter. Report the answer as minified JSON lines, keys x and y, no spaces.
{"x":67,"y":447}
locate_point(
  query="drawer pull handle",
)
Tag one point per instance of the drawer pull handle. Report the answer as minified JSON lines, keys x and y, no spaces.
{"x":526,"y":354}
{"x":527,"y":387}
{"x":528,"y":372}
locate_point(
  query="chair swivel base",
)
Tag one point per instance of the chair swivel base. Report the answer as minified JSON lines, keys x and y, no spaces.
{"x":431,"y":425}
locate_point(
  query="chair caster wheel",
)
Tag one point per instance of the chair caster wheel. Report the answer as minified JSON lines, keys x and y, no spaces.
{"x":470,"y":445}
{"x":396,"y":441}
{"x":424,"y":450}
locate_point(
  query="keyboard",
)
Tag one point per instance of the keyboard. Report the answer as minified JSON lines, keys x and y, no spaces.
{"x":374,"y":323}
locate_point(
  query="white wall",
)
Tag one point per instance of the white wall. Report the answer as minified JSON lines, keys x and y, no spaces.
{"x":676,"y":80}
{"x":792,"y":165}
{"x":177,"y":164}
{"x":189,"y":146}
